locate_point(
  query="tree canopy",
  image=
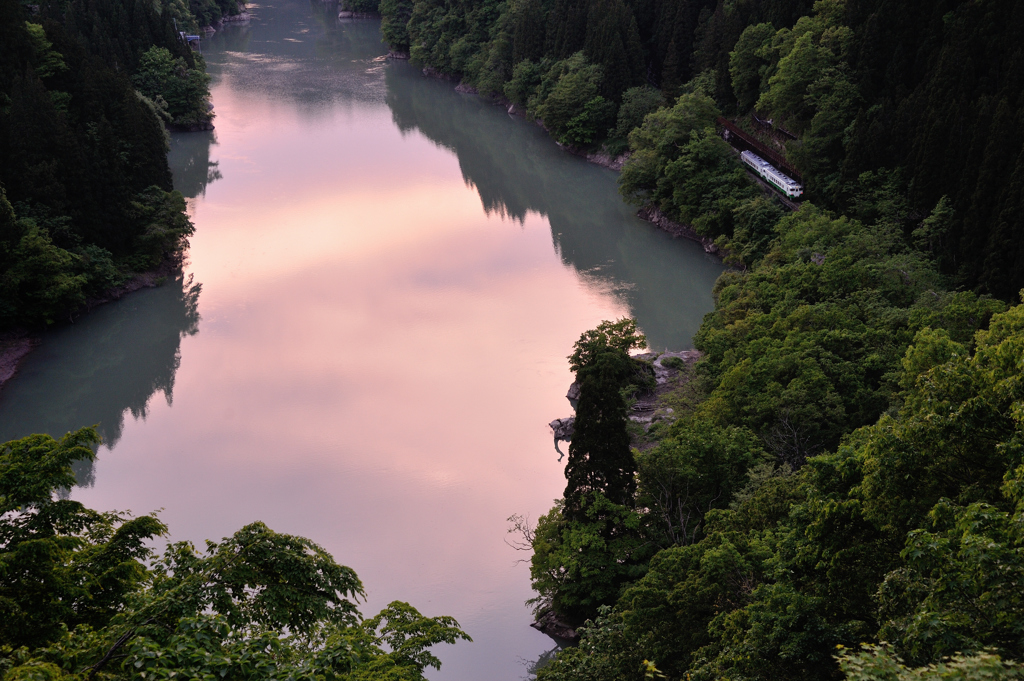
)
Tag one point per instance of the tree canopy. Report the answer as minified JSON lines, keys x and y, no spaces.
{"x":82,"y":594}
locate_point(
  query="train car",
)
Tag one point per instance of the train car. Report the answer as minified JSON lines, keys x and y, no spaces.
{"x":771,"y":175}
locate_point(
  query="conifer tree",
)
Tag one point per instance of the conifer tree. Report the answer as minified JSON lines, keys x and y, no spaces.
{"x":600,"y":459}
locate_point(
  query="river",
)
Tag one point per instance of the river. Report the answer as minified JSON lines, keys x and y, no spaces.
{"x":370,"y":335}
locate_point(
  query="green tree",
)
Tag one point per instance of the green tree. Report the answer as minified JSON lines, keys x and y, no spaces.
{"x":394,"y":16}
{"x":77,"y":597}
{"x":749,"y":64}
{"x":786,"y":96}
{"x":694,"y":469}
{"x":581,"y":563}
{"x":880,"y":663}
{"x":165,"y":225}
{"x":637,"y":102}
{"x":568,"y":95}
{"x":526,"y":77}
{"x":39,"y":282}
{"x":600,"y":460}
{"x":604,"y":652}
{"x":186,"y":90}
{"x":683,"y":168}
{"x":61,"y":564}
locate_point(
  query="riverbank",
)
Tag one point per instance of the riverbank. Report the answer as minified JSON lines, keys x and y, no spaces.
{"x":599,"y":157}
{"x":17,"y":344}
{"x":14,"y":347}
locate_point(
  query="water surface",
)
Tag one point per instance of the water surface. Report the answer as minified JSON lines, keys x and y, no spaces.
{"x":370,"y":335}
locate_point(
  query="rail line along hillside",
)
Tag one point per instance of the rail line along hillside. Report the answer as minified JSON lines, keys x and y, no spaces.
{"x":765,"y":162}
{"x":744,"y":141}
{"x":770,"y":174}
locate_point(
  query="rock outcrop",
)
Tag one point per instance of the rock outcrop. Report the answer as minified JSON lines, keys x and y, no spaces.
{"x":574,"y":394}
{"x":14,"y":346}
{"x":655,"y":216}
{"x":548,"y":623}
{"x":563,"y":428}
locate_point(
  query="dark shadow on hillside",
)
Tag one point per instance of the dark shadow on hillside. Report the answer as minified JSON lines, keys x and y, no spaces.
{"x":111,"y":363}
{"x":516,"y":169}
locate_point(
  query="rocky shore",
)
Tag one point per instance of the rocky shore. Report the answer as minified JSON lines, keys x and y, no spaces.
{"x":548,"y":623}
{"x":656,"y":217}
{"x":236,"y":18}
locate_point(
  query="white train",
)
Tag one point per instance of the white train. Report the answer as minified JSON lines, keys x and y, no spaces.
{"x":768,"y":172}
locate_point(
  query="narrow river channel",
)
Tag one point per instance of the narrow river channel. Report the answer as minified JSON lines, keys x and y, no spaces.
{"x":371,"y":333}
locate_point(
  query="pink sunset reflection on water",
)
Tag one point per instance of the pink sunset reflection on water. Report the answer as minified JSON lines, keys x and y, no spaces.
{"x":376,"y":364}
{"x":360,"y":352}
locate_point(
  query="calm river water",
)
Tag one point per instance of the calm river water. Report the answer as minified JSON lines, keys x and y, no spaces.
{"x":370,"y":337}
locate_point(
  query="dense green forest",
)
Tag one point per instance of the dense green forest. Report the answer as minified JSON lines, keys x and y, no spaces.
{"x":83,"y":595}
{"x":850,"y":472}
{"x":925,"y":96}
{"x":87,"y":89}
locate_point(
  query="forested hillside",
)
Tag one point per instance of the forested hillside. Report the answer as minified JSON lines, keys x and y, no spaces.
{"x":923,"y":95}
{"x":848,"y":470}
{"x":86,"y":89}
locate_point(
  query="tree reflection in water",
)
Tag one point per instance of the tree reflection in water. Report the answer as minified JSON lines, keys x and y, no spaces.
{"x":190,"y":157}
{"x":517,"y":169}
{"x":110,"y":363}
{"x":542,"y":661}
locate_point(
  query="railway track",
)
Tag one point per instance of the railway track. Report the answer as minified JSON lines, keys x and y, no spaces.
{"x":783,"y":199}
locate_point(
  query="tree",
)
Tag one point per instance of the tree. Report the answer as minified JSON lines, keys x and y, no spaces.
{"x":590,"y":544}
{"x":600,"y":460}
{"x":787,"y":88}
{"x":568,"y":102}
{"x":748,"y":64}
{"x":38,"y":281}
{"x":637,"y":102}
{"x":680,"y":166}
{"x":582,"y":563}
{"x":185,"y":89}
{"x":395,"y":16}
{"x":622,"y":335}
{"x":880,"y":663}
{"x":77,"y":596}
{"x":61,"y":564}
{"x":695,"y":468}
